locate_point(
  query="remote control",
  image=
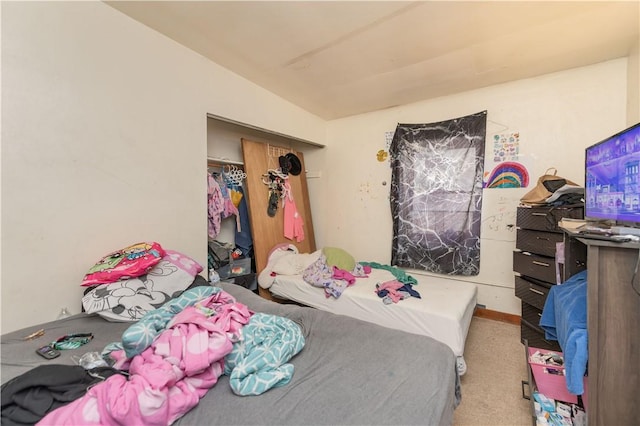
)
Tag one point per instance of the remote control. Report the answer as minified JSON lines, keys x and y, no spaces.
{"x":603,"y":237}
{"x":623,"y":238}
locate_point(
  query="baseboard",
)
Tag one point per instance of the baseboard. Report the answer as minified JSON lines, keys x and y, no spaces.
{"x":497,"y":316}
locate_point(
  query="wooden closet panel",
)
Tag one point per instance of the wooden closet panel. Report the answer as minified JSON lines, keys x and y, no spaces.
{"x":269,"y":231}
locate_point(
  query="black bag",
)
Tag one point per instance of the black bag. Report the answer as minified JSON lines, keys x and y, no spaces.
{"x":218,"y":254}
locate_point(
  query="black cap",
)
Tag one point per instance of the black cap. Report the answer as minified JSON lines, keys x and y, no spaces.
{"x":295,"y":166}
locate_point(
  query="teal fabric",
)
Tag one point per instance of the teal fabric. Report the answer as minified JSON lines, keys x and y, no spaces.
{"x":141,"y":334}
{"x":259,"y":361}
{"x":71,"y":342}
{"x":400,"y":275}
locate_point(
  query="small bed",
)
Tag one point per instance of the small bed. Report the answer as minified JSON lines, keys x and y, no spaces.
{"x":348,"y":372}
{"x":443,"y":312}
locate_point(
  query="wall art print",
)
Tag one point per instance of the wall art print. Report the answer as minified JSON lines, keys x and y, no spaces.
{"x":506,"y":147}
{"x":436,"y":195}
{"x":508,"y":174}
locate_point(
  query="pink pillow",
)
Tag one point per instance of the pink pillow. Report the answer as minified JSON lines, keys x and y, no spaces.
{"x":129,"y":262}
{"x":184,"y":262}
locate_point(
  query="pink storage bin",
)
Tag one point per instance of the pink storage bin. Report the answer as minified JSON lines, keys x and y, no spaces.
{"x":553,"y":385}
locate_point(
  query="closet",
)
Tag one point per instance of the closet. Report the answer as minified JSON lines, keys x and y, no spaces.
{"x":230,"y":244}
{"x":257,"y":153}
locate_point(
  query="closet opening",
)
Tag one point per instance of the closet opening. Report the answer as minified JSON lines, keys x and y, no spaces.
{"x":238,"y":157}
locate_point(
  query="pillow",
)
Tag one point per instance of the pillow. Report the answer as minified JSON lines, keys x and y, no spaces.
{"x":319,"y":273}
{"x":265,"y":279}
{"x":339,"y":258}
{"x":129,"y":300}
{"x":278,"y":249}
{"x":184,"y":262}
{"x":295,"y":263}
{"x":128,"y":262}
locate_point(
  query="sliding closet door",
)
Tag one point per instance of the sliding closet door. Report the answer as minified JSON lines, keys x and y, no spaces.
{"x":268,"y":231}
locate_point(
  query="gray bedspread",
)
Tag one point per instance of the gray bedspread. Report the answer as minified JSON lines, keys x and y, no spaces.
{"x":349,"y":372}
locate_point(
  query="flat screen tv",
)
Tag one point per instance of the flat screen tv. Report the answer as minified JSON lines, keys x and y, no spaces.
{"x":612,"y":179}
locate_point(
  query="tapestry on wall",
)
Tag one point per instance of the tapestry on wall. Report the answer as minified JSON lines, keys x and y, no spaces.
{"x":436,"y":195}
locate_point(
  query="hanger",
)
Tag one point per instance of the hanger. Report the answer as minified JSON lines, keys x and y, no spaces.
{"x":233,"y":175}
{"x":274,"y":179}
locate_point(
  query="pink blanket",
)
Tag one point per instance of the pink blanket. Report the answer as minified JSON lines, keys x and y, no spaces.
{"x":168,"y":378}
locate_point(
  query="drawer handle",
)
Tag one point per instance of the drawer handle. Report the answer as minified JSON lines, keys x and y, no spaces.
{"x":536,"y":291}
{"x":535,"y":262}
{"x":542,"y":238}
{"x":538,"y":214}
{"x":540,"y":315}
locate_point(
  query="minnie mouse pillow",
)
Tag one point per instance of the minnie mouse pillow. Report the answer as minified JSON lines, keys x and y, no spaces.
{"x":131,"y":299}
{"x":129,"y":262}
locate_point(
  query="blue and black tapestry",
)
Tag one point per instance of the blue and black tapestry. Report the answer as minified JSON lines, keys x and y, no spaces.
{"x":436,"y":195}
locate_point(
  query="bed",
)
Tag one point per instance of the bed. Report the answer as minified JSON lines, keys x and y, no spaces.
{"x":348,"y":372}
{"x":443,"y":312}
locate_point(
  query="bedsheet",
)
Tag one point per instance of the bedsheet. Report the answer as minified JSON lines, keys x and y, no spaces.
{"x":443,"y":312}
{"x":349,"y":371}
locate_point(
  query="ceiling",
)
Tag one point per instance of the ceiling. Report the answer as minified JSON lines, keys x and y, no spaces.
{"x":340,"y":58}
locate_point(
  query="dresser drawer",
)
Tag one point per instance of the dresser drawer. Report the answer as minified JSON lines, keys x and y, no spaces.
{"x":531,"y":292}
{"x":540,"y":267}
{"x":539,"y":242}
{"x":575,"y":254}
{"x":535,"y":337}
{"x":546,"y":218}
{"x":532,"y":315}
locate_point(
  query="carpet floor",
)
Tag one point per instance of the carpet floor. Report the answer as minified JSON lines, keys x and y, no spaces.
{"x":496,"y":365}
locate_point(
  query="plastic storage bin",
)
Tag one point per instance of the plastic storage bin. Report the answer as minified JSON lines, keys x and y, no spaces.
{"x":235,"y":268}
{"x":553,"y":385}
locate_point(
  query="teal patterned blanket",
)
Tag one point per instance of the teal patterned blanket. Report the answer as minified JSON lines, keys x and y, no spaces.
{"x":260,"y":360}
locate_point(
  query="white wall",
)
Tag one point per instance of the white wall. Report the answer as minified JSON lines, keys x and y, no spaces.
{"x":633,"y":85}
{"x":557,"y":116}
{"x":104,"y":144}
{"x":104,"y":141}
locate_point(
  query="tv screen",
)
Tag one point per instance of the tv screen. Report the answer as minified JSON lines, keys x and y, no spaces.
{"x":612,"y":184}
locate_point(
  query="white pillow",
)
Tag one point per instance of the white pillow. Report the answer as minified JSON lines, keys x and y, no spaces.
{"x":295,"y":263}
{"x":265,"y":279}
{"x":129,"y":300}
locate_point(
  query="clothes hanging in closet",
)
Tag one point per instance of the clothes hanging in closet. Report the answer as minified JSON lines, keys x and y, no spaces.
{"x":220,"y":205}
{"x":226,"y":198}
{"x":215,"y":206}
{"x":229,"y":209}
{"x":243,"y":238}
{"x":293,"y":222}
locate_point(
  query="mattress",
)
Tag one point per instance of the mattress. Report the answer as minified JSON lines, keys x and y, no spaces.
{"x":443,"y":312}
{"x":342,"y":376}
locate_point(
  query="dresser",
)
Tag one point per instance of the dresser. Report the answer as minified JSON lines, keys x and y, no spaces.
{"x":539,"y":264}
{"x":613,"y":310}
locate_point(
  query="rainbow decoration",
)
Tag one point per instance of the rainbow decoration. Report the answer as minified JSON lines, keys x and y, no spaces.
{"x":508,"y":174}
